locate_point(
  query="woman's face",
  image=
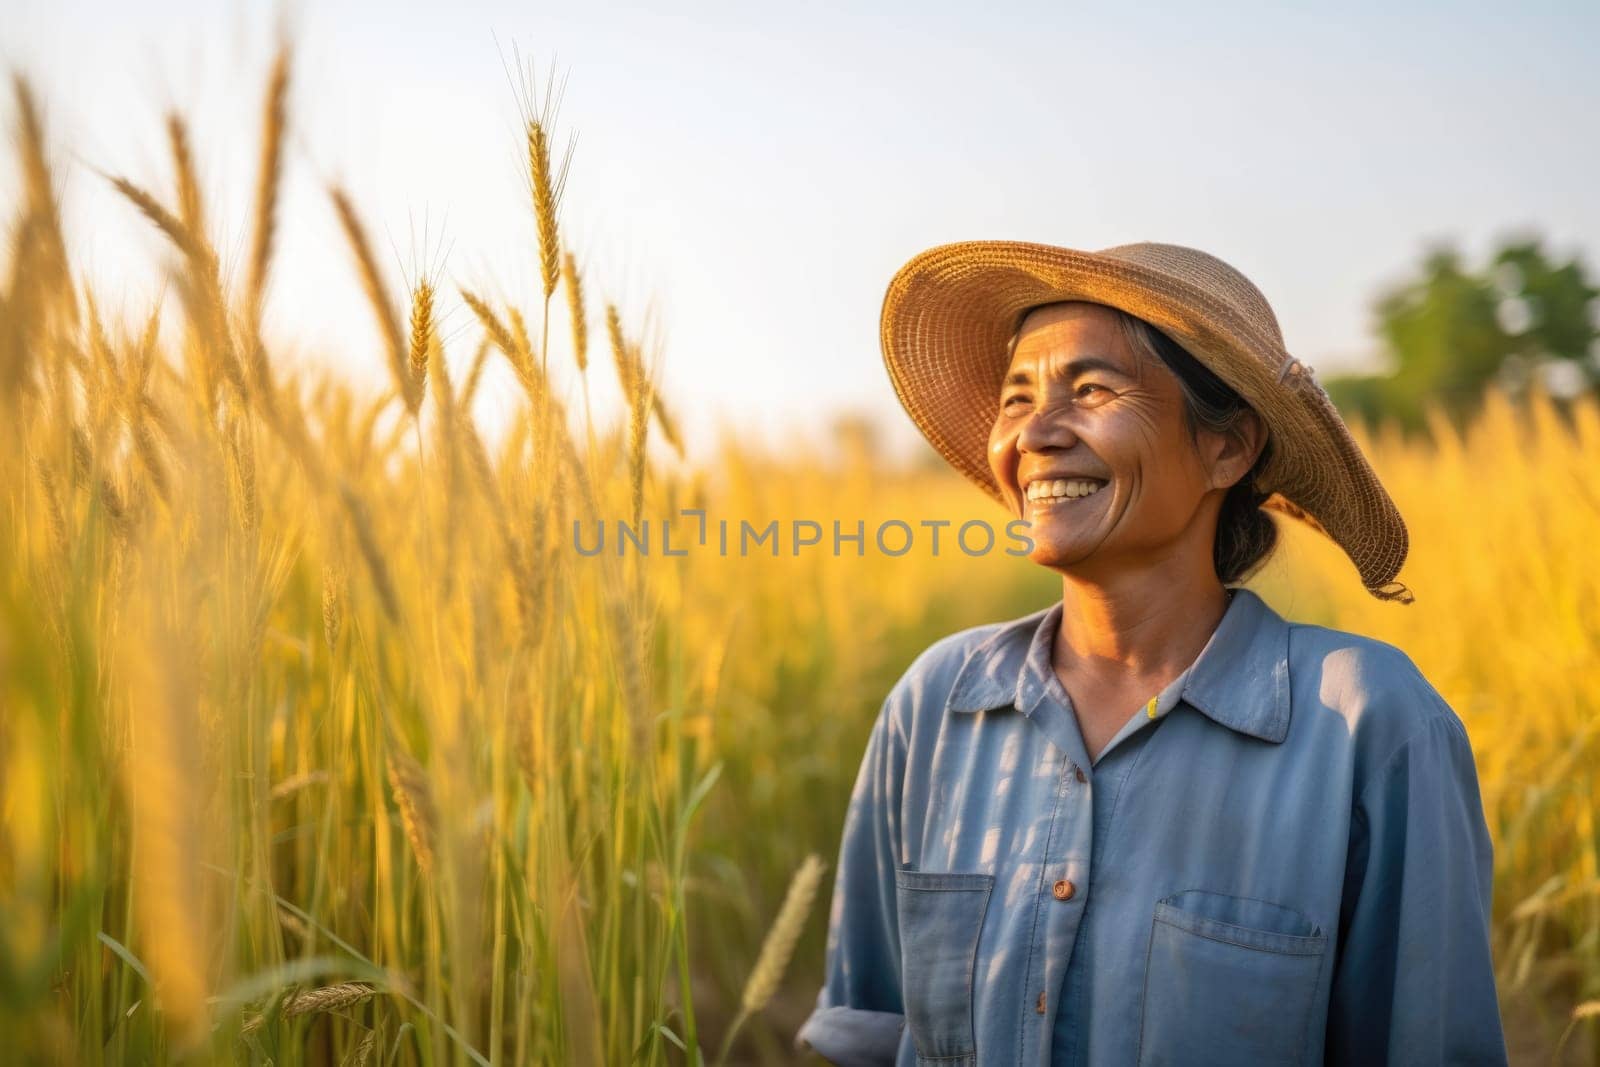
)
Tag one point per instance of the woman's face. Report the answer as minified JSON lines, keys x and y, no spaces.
{"x":1091,"y":447}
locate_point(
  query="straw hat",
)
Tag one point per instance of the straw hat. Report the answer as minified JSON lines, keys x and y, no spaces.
{"x":950,"y":312}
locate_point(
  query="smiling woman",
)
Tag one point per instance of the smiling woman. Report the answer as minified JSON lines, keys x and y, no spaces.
{"x":1154,"y":822}
{"x":1146,"y":439}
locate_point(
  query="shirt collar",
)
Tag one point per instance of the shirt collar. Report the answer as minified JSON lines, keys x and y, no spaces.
{"x":1240,"y":679}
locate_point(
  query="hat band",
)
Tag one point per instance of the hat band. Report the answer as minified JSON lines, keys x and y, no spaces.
{"x":1298,"y":374}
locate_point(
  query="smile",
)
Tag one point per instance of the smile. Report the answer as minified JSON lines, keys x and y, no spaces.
{"x":1061,"y":489}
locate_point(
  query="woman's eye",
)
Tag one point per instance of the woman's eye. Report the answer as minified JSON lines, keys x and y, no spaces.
{"x":1013,"y":403}
{"x":1086,"y":387}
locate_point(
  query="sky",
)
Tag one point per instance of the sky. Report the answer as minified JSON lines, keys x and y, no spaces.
{"x":747,"y":177}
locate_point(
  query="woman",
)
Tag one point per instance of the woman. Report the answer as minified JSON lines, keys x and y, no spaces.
{"x":1155,"y":822}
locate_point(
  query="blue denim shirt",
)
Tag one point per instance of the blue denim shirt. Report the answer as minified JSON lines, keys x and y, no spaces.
{"x":1281,"y":859}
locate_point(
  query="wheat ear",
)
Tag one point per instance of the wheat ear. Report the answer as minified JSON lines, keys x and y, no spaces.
{"x":191,"y":206}
{"x":619,"y":351}
{"x":190,"y":244}
{"x":470,"y":389}
{"x":363,"y":1052}
{"x":546,"y":203}
{"x":40,"y":192}
{"x":422,"y":330}
{"x":575,"y":311}
{"x":669,"y":425}
{"x":333,"y":591}
{"x":637,"y":393}
{"x":778,"y":948}
{"x":268,"y":176}
{"x":371,"y":553}
{"x":203,"y":290}
{"x":313,"y":1001}
{"x":372,"y":281}
{"x":502,"y":339}
{"x":415,"y":801}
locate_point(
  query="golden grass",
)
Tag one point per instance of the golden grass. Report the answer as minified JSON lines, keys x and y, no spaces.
{"x":302,"y":701}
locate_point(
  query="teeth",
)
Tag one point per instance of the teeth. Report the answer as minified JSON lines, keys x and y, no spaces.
{"x":1068,"y":488}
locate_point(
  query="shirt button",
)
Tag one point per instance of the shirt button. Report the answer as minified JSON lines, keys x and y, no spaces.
{"x":1039,"y":1007}
{"x":1081,"y":776}
{"x":1064,"y":890}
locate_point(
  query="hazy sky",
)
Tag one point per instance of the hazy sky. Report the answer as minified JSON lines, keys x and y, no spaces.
{"x":756,"y":173}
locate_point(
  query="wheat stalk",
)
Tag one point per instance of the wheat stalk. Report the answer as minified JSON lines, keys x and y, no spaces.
{"x":371,"y":554}
{"x":187,"y":242}
{"x":669,"y":426}
{"x":483,"y":475}
{"x":294,"y":924}
{"x":778,"y":948}
{"x":422,"y":332}
{"x":619,"y":352}
{"x":161,"y":773}
{"x":290,"y":786}
{"x":82,"y":456}
{"x":377,"y":297}
{"x":547,"y":188}
{"x":268,"y":176}
{"x":191,"y":206}
{"x":575,"y":311}
{"x":203,"y":290}
{"x":57,"y":517}
{"x":519,"y":333}
{"x":333,"y":581}
{"x":100,"y":348}
{"x":415,"y":800}
{"x":201,"y":293}
{"x":363,"y":435}
{"x":495,"y":330}
{"x":314,"y":1001}
{"x":637,"y":393}
{"x":40,"y":195}
{"x":20,"y":300}
{"x":511,"y":347}
{"x":126,"y":393}
{"x":444,"y":389}
{"x":470,"y":389}
{"x":1589,"y":1009}
{"x":242,"y":475}
{"x":638,"y":431}
{"x":363,"y":1052}
{"x":144,"y":446}
{"x":147,"y":352}
{"x":123,"y":516}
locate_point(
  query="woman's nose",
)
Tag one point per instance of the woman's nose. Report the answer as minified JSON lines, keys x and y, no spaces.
{"x":1046,"y":428}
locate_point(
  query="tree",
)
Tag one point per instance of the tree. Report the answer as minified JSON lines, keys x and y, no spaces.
{"x":1450,"y":331}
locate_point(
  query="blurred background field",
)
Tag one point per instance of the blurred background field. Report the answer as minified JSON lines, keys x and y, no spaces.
{"x":320,"y":743}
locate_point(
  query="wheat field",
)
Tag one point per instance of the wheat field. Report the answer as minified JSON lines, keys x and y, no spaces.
{"x":319,"y":743}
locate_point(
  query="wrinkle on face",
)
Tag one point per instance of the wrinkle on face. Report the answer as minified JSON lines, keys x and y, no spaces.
{"x":1128,"y":426}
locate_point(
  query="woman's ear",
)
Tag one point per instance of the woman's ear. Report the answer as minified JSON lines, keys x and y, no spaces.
{"x":1236,"y":451}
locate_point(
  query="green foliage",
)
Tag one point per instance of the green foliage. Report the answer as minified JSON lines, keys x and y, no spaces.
{"x":1452,"y":329}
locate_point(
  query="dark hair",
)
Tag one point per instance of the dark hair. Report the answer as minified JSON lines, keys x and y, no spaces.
{"x":1246,"y":535}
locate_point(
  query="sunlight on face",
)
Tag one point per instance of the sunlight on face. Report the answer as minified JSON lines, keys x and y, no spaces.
{"x":1091,"y":447}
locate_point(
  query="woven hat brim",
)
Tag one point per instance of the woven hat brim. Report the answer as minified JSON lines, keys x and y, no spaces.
{"x":951,"y":310}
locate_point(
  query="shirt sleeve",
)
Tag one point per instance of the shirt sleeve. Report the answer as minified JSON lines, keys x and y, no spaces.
{"x":1414,"y":982}
{"x":859,"y":1014}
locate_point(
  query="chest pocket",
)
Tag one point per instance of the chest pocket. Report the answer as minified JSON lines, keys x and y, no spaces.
{"x":1229,"y":980}
{"x":941,"y":915}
